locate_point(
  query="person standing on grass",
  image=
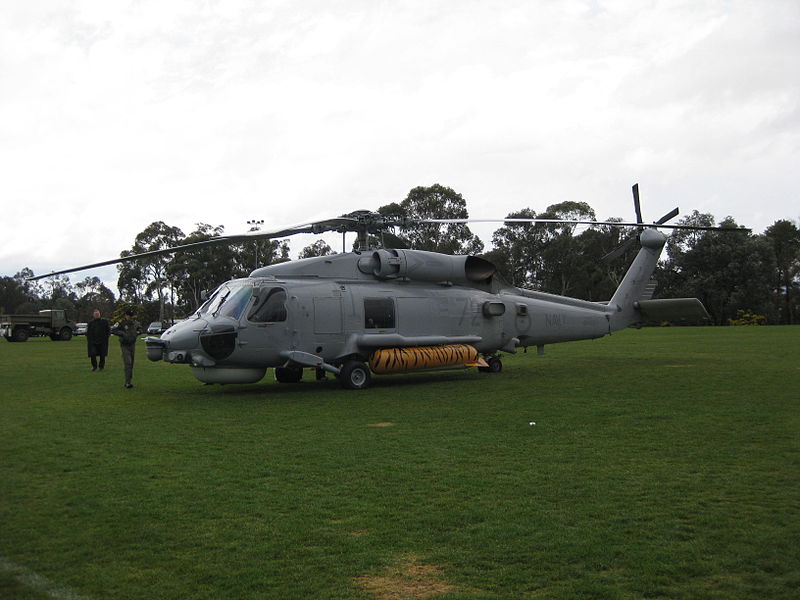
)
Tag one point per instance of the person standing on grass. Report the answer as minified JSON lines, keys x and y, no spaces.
{"x":127,"y":330}
{"x":97,"y":332}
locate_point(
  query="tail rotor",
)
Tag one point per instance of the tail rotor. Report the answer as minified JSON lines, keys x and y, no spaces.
{"x":620,"y":250}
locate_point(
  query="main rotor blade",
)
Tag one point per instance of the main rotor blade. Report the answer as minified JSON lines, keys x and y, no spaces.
{"x":636,"y":205}
{"x":314,"y":227}
{"x":576,"y":222}
{"x":366,"y":221}
{"x":115,"y":261}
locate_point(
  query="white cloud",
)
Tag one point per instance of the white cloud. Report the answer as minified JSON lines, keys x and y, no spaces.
{"x":221,"y":112}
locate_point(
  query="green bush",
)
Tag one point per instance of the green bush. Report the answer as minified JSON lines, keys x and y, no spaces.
{"x":747,"y":317}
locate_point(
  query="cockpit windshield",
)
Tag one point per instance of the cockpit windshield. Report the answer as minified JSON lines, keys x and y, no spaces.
{"x":228,"y":300}
{"x":236,"y":302}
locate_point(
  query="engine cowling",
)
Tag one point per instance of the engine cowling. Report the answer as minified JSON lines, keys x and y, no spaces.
{"x":431,"y":267}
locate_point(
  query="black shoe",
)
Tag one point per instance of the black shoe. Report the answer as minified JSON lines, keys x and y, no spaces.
{"x":94,"y":368}
{"x":128,"y":385}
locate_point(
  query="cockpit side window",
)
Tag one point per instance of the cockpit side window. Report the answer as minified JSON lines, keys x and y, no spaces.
{"x":270,"y":307}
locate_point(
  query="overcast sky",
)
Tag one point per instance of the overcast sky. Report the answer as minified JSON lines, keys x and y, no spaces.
{"x":117,"y":114}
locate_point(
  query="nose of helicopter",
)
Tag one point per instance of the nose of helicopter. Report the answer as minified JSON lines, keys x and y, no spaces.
{"x":177,"y":343}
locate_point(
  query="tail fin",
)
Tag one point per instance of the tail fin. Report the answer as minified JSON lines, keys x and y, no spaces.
{"x":649,"y":290}
{"x":636,"y":281}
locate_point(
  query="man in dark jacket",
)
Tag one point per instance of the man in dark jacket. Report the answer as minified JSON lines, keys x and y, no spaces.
{"x":128,"y":331}
{"x":97,"y":332}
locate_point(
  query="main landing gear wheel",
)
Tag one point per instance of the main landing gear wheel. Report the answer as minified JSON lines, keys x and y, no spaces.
{"x":288,"y":374}
{"x":355,"y":375}
{"x":495,"y":365}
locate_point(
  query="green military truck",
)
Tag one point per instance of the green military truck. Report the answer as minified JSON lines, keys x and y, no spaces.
{"x":56,"y":323}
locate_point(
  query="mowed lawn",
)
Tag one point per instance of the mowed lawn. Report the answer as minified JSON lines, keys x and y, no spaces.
{"x":660,"y":463}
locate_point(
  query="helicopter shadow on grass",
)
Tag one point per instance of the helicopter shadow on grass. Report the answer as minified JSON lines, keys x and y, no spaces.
{"x":331,"y":387}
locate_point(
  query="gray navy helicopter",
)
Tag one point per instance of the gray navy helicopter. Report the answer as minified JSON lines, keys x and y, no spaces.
{"x":382,"y":310}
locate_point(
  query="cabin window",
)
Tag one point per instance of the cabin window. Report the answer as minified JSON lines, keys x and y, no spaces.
{"x":270,"y":307}
{"x":378,"y":313}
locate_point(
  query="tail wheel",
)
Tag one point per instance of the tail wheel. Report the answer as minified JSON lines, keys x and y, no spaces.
{"x":288,"y":374}
{"x":355,"y":375}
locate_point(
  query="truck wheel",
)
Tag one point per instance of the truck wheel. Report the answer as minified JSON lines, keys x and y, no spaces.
{"x":355,"y":375}
{"x":65,"y":334}
{"x":20,"y":334}
{"x":288,"y":374}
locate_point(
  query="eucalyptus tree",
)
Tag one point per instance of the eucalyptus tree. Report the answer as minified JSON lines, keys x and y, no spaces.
{"x":784,"y":237}
{"x":603,"y":256}
{"x":562,"y":259}
{"x":518,"y":250}
{"x":92,"y":293}
{"x":681,"y":241}
{"x":437,"y":202}
{"x":17,"y":294}
{"x":57,"y":287}
{"x":200,"y":269}
{"x":549,"y":256}
{"x":726,"y":270}
{"x":147,"y":277}
{"x":251,"y":254}
{"x":318,"y":248}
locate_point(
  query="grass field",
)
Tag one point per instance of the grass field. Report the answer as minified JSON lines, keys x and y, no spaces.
{"x":663,"y":463}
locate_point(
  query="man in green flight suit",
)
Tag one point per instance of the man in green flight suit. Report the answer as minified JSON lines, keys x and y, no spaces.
{"x":127,"y":330}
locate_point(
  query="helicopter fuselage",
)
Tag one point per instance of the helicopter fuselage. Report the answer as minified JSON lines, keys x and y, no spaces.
{"x":322,"y":312}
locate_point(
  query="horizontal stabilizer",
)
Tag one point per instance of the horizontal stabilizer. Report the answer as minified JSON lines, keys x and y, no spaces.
{"x":673,"y":309}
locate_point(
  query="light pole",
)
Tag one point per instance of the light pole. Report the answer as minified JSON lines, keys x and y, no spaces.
{"x":255,"y":225}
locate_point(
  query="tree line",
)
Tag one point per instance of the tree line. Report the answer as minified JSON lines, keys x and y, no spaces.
{"x":741,"y":277}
